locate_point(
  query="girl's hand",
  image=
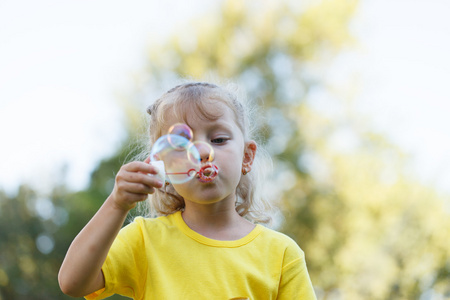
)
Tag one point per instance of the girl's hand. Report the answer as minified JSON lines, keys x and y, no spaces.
{"x":133,"y":184}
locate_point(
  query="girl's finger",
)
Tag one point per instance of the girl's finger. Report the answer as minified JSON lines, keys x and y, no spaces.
{"x":138,"y":188}
{"x":139,"y":166}
{"x":145,"y":179}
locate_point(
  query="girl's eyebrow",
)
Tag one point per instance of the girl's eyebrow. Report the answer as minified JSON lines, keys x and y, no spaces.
{"x":219,"y":125}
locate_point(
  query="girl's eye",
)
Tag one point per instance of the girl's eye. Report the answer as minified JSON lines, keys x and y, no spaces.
{"x":219,"y":140}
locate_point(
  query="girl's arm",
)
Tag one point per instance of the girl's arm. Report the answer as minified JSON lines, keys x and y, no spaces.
{"x":80,"y":273}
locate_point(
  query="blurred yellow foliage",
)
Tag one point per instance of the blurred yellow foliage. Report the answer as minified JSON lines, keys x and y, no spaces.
{"x":369,"y":229}
{"x":3,"y":278}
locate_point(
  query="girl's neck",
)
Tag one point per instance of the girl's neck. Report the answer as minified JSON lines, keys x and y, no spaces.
{"x":216,"y":221}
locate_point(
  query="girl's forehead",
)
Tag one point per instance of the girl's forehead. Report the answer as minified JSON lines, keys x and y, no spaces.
{"x":198,"y":112}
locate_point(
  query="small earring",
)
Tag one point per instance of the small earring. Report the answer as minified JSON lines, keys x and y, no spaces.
{"x":244,"y":171}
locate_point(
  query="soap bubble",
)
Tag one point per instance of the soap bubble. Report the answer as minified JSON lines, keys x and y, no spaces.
{"x":180,"y":159}
{"x":181,"y":130}
{"x":184,"y":158}
{"x":204,"y":149}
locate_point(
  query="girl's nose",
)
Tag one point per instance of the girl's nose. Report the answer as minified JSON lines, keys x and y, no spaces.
{"x":204,"y":158}
{"x":205,"y":150}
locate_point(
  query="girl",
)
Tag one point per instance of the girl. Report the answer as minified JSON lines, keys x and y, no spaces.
{"x":204,"y":244}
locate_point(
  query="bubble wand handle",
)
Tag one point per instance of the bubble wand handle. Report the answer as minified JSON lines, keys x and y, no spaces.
{"x":189,"y":172}
{"x":206,"y":174}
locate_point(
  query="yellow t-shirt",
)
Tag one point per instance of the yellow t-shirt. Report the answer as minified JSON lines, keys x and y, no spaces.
{"x":163,"y":258}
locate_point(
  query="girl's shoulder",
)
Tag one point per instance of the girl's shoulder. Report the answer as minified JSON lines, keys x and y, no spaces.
{"x":163,"y":221}
{"x":281,"y":245}
{"x":279,"y":239}
{"x":277,"y":236}
{"x":145,"y":224}
{"x":148,"y":230}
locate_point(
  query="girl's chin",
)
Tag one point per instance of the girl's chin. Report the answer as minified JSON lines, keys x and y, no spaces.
{"x":202,"y":180}
{"x":206,"y":197}
{"x":205,"y":201}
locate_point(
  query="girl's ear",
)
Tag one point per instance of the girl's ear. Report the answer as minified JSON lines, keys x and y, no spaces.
{"x":249,"y":155}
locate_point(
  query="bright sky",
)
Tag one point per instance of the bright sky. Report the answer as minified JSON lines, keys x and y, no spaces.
{"x":405,"y":63}
{"x":62,"y":64}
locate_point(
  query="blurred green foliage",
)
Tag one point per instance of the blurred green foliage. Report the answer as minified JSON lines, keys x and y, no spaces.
{"x":369,"y":229}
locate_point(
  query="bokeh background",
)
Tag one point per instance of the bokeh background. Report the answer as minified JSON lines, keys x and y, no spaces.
{"x":354,"y":99}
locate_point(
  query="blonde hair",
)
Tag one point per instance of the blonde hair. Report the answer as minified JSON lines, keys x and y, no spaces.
{"x":181,"y":100}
